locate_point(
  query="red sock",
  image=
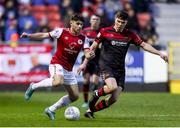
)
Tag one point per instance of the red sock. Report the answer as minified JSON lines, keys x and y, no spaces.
{"x":101,"y":92}
{"x":101,"y":105}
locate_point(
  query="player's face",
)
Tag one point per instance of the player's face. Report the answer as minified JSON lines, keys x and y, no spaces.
{"x":77,"y":26}
{"x":95,"y":21}
{"x":120,"y":24}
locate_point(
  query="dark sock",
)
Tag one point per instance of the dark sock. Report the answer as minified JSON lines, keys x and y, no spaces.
{"x":101,"y":105}
{"x":85,"y":92}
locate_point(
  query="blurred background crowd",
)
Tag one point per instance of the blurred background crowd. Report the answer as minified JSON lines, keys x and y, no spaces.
{"x":17,"y":16}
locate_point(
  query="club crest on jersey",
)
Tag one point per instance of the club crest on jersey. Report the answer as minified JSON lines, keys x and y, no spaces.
{"x":80,"y":41}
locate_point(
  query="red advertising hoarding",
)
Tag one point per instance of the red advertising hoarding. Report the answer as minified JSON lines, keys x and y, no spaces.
{"x":24,"y":63}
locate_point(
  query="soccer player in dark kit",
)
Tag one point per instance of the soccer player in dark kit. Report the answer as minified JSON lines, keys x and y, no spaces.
{"x":115,"y":41}
{"x":92,"y":71}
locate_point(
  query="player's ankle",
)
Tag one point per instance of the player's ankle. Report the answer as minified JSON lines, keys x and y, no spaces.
{"x":88,"y":110}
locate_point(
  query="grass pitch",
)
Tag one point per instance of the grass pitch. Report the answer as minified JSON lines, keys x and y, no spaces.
{"x":132,"y":109}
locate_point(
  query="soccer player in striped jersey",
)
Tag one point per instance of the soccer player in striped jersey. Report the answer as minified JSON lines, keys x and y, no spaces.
{"x":115,"y":42}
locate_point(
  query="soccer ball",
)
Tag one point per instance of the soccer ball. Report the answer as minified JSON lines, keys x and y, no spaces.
{"x":72,"y":113}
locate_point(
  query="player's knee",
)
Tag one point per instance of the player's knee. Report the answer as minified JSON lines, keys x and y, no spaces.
{"x":74,"y":97}
{"x":86,"y":82}
{"x":113,"y":87}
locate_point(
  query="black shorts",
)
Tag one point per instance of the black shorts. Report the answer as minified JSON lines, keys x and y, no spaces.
{"x":108,"y":72}
{"x":92,"y":68}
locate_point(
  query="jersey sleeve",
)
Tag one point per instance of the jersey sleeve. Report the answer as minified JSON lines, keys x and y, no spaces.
{"x":86,"y":43}
{"x":99,"y":37}
{"x":136,"y":39}
{"x":56,"y":33}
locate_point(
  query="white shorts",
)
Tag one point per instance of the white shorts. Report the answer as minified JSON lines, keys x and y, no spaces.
{"x":69,"y":76}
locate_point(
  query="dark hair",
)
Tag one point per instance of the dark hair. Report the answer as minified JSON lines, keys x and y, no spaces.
{"x":96,"y":15}
{"x":122,"y":14}
{"x":77,"y":17}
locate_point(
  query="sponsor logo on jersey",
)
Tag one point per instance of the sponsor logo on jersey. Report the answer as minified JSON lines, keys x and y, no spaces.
{"x":71,"y":49}
{"x":118,"y":43}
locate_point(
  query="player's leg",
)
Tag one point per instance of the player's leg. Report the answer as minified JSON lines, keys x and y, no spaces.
{"x":95,"y":77}
{"x":110,"y":86}
{"x":56,"y":79}
{"x":119,"y":78}
{"x":118,"y":82}
{"x":110,"y":81}
{"x":95,"y":81}
{"x":105,"y":103}
{"x":73,"y":94}
{"x":86,"y":83}
{"x":70,"y":84}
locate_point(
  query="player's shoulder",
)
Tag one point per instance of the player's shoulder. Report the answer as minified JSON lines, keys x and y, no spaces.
{"x":106,"y":29}
{"x":87,"y":29}
{"x":65,"y":29}
{"x":130,"y":31}
{"x":58,"y":29}
{"x":82,"y":35}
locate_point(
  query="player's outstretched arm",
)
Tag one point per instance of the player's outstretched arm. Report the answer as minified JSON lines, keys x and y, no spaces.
{"x":89,"y":54}
{"x":82,"y":67}
{"x":149,"y":48}
{"x":35,"y":35}
{"x":94,"y":46}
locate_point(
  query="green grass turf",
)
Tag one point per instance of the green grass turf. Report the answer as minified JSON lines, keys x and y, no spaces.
{"x":132,"y":109}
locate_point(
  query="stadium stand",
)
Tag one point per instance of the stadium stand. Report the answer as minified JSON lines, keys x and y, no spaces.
{"x":150,"y":18}
{"x":168,"y":22}
{"x":58,"y":12}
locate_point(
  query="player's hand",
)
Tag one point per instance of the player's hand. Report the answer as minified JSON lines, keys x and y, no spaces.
{"x":164,"y":57}
{"x":81,"y":68}
{"x":24,"y":35}
{"x":90,"y":54}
